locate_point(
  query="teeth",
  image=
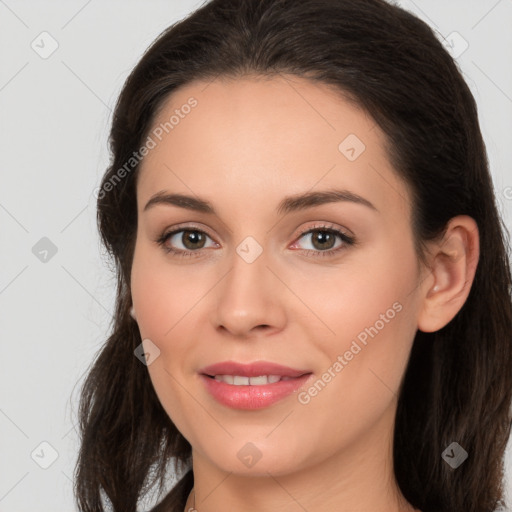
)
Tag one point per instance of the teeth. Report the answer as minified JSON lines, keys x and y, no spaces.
{"x":239,"y":380}
{"x":224,"y":378}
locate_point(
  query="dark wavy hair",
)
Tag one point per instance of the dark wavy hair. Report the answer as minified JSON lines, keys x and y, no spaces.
{"x":458,"y":382}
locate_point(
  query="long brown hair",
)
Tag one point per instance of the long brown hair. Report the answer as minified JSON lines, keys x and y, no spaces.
{"x":458,"y":383}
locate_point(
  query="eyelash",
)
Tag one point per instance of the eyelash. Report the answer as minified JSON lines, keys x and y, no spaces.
{"x":180,"y":253}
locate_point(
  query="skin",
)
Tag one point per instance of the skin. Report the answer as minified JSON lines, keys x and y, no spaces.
{"x":246,"y":145}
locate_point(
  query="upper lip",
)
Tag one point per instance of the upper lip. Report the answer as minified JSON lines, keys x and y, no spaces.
{"x":254,"y":369}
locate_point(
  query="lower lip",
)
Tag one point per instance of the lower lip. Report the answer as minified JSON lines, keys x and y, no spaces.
{"x":252,"y":397}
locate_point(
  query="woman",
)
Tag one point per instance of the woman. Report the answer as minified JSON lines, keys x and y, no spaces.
{"x":313,"y":303}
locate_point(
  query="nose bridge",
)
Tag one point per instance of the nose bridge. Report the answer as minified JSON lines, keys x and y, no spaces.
{"x":248,"y":295}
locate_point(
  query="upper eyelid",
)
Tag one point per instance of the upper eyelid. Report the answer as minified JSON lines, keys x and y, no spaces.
{"x":187,"y":227}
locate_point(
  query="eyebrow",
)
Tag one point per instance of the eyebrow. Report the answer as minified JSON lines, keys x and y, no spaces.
{"x":287,"y":205}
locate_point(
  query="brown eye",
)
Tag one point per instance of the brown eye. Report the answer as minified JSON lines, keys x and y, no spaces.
{"x":184,"y":241}
{"x":322,"y":240}
{"x":192,"y":239}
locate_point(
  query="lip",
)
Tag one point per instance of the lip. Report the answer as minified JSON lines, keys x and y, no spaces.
{"x":251,"y":370}
{"x":252,"y":397}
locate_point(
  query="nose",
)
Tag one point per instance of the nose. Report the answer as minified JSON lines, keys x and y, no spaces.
{"x":250,"y":298}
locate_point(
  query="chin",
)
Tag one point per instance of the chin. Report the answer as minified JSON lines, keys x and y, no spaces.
{"x":256,"y":459}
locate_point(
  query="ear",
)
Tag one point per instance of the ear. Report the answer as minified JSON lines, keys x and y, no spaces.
{"x":453,"y":263}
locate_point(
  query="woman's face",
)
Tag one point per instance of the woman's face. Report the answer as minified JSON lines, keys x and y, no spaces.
{"x":257,"y":285}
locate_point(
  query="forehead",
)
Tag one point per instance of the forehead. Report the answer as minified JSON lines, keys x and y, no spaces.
{"x":257,"y":139}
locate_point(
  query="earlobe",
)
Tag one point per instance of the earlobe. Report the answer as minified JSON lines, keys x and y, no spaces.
{"x":453,"y":266}
{"x":132,"y":313}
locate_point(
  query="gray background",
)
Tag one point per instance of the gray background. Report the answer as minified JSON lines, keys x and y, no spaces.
{"x":55,"y":115}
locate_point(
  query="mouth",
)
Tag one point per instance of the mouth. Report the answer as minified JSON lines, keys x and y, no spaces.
{"x":252,"y":386}
{"x":257,"y":369}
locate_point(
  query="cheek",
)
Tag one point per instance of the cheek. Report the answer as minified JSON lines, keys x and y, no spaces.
{"x":365,"y":360}
{"x":371,"y":311}
{"x":355,"y":299}
{"x":162,"y":294}
{"x":161,"y":301}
